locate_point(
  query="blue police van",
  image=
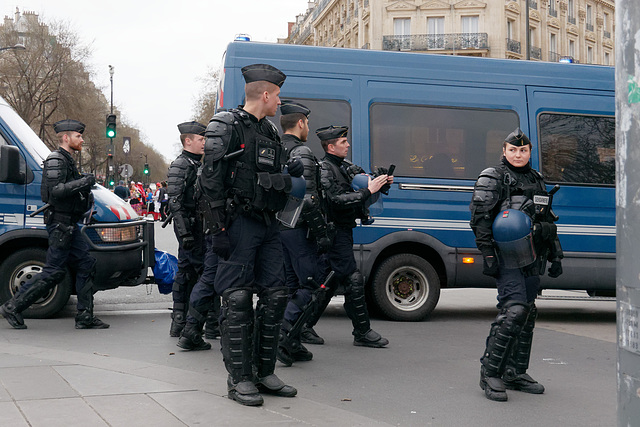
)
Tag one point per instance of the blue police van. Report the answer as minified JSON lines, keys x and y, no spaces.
{"x":121,"y":242}
{"x":442,"y":120}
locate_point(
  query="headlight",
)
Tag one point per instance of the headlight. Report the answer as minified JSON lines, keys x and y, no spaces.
{"x":118,"y":235}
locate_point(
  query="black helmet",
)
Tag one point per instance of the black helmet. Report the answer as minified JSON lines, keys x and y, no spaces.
{"x":517,"y":138}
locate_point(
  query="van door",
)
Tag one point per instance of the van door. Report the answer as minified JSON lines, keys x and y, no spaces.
{"x":12,"y":198}
{"x":575,"y":131}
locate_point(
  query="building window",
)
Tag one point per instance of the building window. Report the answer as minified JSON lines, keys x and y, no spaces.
{"x":589,"y":55}
{"x":570,"y":11}
{"x":552,"y":8}
{"x":607,"y":58}
{"x":402,"y":26}
{"x":553,"y":48}
{"x":470,"y":24}
{"x":572,"y":48}
{"x":509,"y":29}
{"x":589,"y":23}
{"x":435,"y":25}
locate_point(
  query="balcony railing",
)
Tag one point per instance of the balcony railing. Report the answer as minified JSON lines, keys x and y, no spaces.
{"x":535,"y":52}
{"x":366,"y":46}
{"x":589,"y":26}
{"x":513,"y":46}
{"x":607,"y":34}
{"x":571,"y":20}
{"x":533,"y":4}
{"x":422,"y":42}
{"x":554,"y":57}
{"x":553,"y":12}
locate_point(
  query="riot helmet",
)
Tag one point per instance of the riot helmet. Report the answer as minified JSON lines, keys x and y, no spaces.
{"x":374,"y":203}
{"x":513,"y":236}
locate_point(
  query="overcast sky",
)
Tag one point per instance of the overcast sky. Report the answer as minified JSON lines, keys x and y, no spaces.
{"x":161,"y":49}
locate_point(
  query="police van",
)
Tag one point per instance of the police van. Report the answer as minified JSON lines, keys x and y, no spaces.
{"x":122,"y":244}
{"x":441,"y":120}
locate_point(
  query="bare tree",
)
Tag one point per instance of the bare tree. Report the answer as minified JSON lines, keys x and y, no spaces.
{"x":205,"y":105}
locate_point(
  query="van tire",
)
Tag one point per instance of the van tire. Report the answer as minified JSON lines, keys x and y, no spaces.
{"x":406,"y":287}
{"x":17,"y":268}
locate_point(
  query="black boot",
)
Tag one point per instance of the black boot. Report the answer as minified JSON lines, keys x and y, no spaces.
{"x":8,"y":311}
{"x":504,"y":330}
{"x":356,"y":308}
{"x":310,"y":336}
{"x":290,"y":349}
{"x":191,"y":338}
{"x":269,"y":314}
{"x":515,"y":374}
{"x":27,"y":295}
{"x":236,"y":329}
{"x":178,"y":321}
{"x":86,"y":320}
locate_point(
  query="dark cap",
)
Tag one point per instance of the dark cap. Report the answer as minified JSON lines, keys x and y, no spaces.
{"x":191,"y":127}
{"x":290,"y":107}
{"x":68,"y":125}
{"x":263,"y":72}
{"x":332,"y":132}
{"x":517,"y":138}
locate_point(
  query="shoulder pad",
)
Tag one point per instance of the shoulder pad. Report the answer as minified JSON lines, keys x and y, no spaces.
{"x":218,"y":135}
{"x":491,"y":173}
{"x":273,"y":129}
{"x":301,"y":150}
{"x":178,"y":166}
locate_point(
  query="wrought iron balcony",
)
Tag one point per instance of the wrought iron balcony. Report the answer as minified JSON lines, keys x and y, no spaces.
{"x":422,"y":42}
{"x":589,"y":26}
{"x":554,"y":57}
{"x":571,"y":20}
{"x":553,"y":12}
{"x":535,"y":52}
{"x":607,"y":34}
{"x":533,"y":4}
{"x":513,"y":46}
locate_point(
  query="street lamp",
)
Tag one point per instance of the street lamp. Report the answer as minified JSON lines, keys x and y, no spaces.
{"x":17,"y":46}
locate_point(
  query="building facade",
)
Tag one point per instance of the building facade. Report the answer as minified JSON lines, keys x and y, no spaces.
{"x":580,"y":30}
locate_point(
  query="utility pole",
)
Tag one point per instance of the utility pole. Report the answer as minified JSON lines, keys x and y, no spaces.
{"x":528,"y":31}
{"x":628,"y":210}
{"x":111,"y":171}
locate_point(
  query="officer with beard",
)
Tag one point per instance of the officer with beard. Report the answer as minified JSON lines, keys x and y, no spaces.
{"x":243,"y":186}
{"x":69,"y":194}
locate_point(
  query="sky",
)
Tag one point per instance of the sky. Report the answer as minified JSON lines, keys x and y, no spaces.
{"x":161,"y":50}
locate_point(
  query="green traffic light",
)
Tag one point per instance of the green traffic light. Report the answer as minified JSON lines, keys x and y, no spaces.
{"x":111,"y":133}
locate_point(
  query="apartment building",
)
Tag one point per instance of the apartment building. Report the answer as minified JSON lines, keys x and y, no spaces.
{"x":577,"y":30}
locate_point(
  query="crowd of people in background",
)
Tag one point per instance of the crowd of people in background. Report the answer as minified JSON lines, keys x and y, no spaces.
{"x":145,"y":199}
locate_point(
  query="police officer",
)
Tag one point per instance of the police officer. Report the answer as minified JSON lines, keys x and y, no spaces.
{"x":344,"y":206}
{"x":502,"y":193}
{"x":303,"y":243}
{"x":187,"y":226}
{"x":69,"y":196}
{"x":242,"y":188}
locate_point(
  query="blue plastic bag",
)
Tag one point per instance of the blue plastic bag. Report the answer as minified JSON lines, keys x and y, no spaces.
{"x":165,"y":270}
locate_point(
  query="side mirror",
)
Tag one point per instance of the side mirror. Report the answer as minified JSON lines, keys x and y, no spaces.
{"x":10,"y":162}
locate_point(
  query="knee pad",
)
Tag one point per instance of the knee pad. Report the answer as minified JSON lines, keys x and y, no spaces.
{"x":355,"y":283}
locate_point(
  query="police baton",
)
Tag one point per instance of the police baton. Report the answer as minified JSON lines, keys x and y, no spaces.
{"x":168,"y":220}
{"x":42,"y":209}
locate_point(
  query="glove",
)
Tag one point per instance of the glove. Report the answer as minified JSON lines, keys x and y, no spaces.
{"x":556,"y":269}
{"x":221,"y":245}
{"x":295,"y":167}
{"x":490,"y":266}
{"x":90,"y":179}
{"x":324,"y":244}
{"x":188,"y":242}
{"x":381,"y":171}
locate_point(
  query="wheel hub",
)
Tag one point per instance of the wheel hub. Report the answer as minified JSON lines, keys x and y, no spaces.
{"x":403,"y":286}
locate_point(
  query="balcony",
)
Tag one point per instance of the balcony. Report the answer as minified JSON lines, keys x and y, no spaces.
{"x":607,"y":34}
{"x":589,"y":26}
{"x":535,"y":52}
{"x":554,"y":57}
{"x":571,"y":20}
{"x":533,"y":4}
{"x":513,"y":46}
{"x":553,"y":12}
{"x":423,"y":42}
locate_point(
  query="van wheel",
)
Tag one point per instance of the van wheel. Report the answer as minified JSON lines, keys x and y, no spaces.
{"x":21,"y":266}
{"x":406,"y":287}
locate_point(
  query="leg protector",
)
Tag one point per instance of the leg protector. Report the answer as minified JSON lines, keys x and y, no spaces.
{"x":515,"y":374}
{"x":355,"y":304}
{"x":270,"y":311}
{"x":502,"y":336}
{"x":178,"y":320}
{"x":236,"y":327}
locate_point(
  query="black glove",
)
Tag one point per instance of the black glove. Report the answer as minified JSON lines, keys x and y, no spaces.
{"x":221,"y":245}
{"x":490,"y":266}
{"x":90,"y":179}
{"x":381,"y":171}
{"x":556,"y":269}
{"x":187,"y":242}
{"x":295,"y":167}
{"x":324,"y":244}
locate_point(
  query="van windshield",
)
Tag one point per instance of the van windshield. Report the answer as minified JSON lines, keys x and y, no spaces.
{"x":24,"y":133}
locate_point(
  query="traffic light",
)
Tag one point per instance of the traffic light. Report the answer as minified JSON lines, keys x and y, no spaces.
{"x":111,"y":125}
{"x":112,"y":181}
{"x":146,"y":169}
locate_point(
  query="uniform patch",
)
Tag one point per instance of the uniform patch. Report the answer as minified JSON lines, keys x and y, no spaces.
{"x":541,"y":200}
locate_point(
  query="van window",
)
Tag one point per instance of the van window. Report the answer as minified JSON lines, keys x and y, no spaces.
{"x":323,"y":113}
{"x":578,"y":149}
{"x":438,"y":142}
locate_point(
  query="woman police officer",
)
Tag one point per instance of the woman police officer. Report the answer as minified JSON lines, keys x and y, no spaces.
{"x":515,"y":249}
